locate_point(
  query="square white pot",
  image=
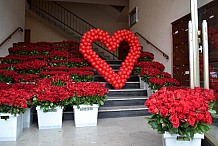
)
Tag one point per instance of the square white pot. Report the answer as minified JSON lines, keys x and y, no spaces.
{"x":171,"y":140}
{"x":86,"y":115}
{"x":12,"y":128}
{"x":51,"y":119}
{"x":143,"y":85}
{"x":28,"y":118}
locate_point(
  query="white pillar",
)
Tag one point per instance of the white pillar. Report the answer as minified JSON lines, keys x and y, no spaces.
{"x":194,"y":18}
{"x":205,"y":54}
{"x":191,"y":55}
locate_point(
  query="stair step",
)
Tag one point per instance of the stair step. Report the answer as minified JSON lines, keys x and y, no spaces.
{"x":114,"y":98}
{"x":125,"y":101}
{"x":122,"y":111}
{"x":115,"y":70}
{"x":128,"y":85}
{"x":114,"y":61}
{"x":133,"y":78}
{"x":127,"y":92}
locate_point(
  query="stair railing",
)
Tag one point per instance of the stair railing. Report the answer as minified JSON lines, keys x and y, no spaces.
{"x":164,"y":54}
{"x":66,"y":18}
{"x":9,"y":37}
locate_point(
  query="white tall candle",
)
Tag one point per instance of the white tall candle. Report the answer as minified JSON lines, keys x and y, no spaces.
{"x":205,"y":54}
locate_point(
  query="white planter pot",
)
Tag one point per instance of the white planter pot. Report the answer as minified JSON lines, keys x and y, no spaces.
{"x":11,"y":129}
{"x":171,"y":140}
{"x":86,"y":115}
{"x":143,"y":85}
{"x":153,"y":91}
{"x":150,"y":91}
{"x":28,"y":118}
{"x":51,"y":119}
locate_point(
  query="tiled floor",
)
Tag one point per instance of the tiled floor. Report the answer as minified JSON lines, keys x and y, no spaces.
{"x":128,"y":131}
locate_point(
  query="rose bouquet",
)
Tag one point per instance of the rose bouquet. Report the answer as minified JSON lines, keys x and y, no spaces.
{"x":182,"y":111}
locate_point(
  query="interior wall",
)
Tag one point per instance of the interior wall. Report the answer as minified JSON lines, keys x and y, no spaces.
{"x":39,"y":31}
{"x":12,"y":14}
{"x":155,"y":18}
{"x":104,"y":17}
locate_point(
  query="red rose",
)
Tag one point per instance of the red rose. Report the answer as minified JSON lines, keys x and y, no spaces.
{"x":153,"y":109}
{"x":182,"y":117}
{"x":175,"y":121}
{"x":199,"y":116}
{"x":164,"y":112}
{"x":191,"y":120}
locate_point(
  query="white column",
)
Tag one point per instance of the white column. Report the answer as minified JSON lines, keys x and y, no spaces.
{"x":194,"y":18}
{"x":205,"y":54}
{"x":191,"y":55}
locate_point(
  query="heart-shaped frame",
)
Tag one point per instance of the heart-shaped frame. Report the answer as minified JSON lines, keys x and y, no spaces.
{"x":117,"y":80}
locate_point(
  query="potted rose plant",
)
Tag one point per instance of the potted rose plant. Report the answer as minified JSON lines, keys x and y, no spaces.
{"x":13,"y":103}
{"x":182,"y":113}
{"x":50,"y":97}
{"x":86,"y":98}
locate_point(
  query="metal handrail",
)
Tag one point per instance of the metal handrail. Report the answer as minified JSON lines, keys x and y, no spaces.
{"x":66,"y":18}
{"x":164,"y":54}
{"x":18,"y":29}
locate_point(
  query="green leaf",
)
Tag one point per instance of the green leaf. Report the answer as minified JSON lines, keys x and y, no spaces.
{"x":212,"y":111}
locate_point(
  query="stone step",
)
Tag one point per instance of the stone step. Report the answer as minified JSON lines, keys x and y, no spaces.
{"x":115,"y":66}
{"x":115,"y":70}
{"x":125,"y":101}
{"x":122,"y":111}
{"x":127,"y":92}
{"x":133,"y":78}
{"x":128,"y":85}
{"x":114,"y":61}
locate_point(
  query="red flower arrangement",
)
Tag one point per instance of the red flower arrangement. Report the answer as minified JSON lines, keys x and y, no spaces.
{"x":7,"y":76}
{"x":7,"y":66}
{"x":146,"y":56}
{"x":30,"y":67}
{"x":142,"y":64}
{"x":59,"y":54}
{"x":157,"y":83}
{"x":182,"y":111}
{"x":29,"y":50}
{"x":69,"y":62}
{"x":14,"y":101}
{"x":87,"y":93}
{"x":148,"y":72}
{"x":26,"y":78}
{"x":76,"y":75}
{"x":49,"y":94}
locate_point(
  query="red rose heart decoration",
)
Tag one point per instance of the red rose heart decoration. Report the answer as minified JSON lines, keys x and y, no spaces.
{"x":117,"y":80}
